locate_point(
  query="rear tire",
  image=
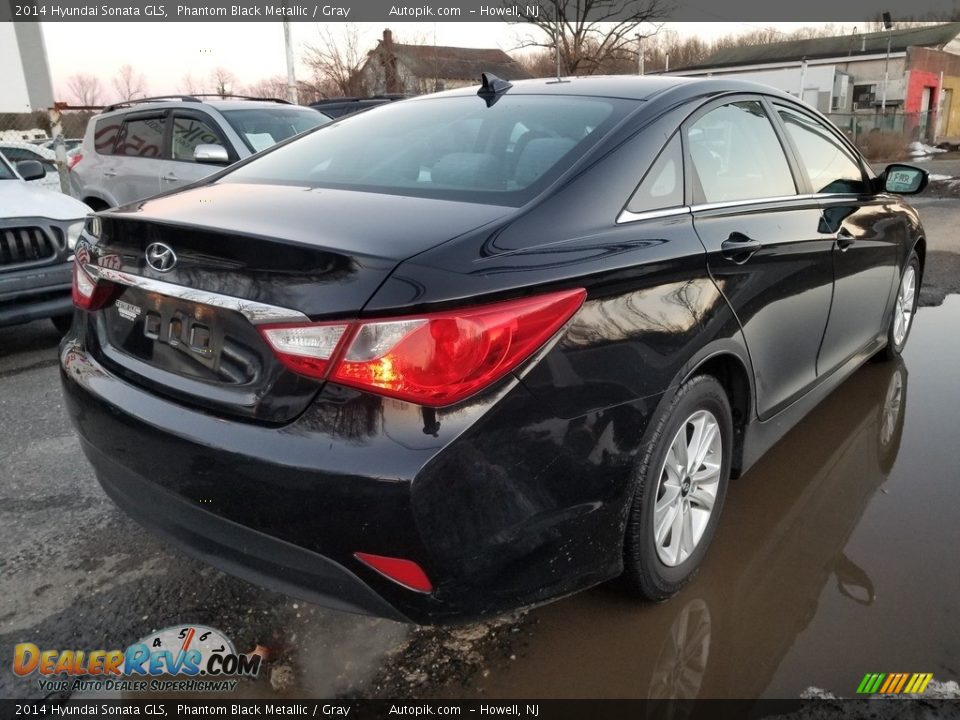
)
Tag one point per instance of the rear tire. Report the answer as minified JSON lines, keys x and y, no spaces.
{"x":681,"y":485}
{"x":904,"y":309}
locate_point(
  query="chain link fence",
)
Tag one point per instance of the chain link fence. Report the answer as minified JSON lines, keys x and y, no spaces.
{"x":34,"y":136}
{"x":887,"y":136}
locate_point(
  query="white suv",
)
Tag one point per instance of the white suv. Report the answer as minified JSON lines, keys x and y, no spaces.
{"x":142,"y":148}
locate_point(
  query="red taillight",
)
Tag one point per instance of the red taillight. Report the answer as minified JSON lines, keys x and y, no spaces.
{"x":435,"y":359}
{"x":403,"y":572}
{"x":72,"y":160}
{"x":89,"y":294}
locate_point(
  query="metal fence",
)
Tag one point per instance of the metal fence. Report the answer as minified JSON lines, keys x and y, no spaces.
{"x":33,"y":136}
{"x":910,"y":127}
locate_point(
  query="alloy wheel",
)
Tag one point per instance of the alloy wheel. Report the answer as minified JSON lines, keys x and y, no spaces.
{"x":687,"y":490}
{"x":903,"y":313}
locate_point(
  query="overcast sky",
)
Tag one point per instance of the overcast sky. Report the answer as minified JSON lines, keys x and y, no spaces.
{"x":166,"y":52}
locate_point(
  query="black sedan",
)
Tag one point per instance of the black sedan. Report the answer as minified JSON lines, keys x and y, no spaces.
{"x":482,"y":349}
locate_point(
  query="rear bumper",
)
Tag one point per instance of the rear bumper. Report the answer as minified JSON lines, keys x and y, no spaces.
{"x":238,"y":550}
{"x":35,"y":293}
{"x":501,"y":503}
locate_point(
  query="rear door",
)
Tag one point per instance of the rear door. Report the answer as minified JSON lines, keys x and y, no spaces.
{"x":760,"y":227}
{"x":187,"y":130}
{"x":866,"y":236}
{"x":138,"y":157}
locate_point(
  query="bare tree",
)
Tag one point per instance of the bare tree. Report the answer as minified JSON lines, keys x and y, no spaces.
{"x":85,"y":89}
{"x":588,"y":33}
{"x":190,"y":85}
{"x":223,"y":81}
{"x":129,"y":84}
{"x":271,"y":87}
{"x":337,"y":62}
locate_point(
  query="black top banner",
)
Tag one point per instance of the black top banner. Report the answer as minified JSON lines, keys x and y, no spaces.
{"x":459,"y":10}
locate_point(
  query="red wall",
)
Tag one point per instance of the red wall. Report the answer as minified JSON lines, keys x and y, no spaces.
{"x":918,"y":80}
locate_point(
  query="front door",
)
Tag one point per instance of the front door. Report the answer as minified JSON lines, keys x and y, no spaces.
{"x":764,"y":248}
{"x":865,"y":232}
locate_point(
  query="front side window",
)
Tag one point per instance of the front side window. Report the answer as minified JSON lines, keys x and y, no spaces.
{"x":189,"y":131}
{"x":16,"y":154}
{"x":141,"y":137}
{"x":6,"y":173}
{"x":662,"y":186}
{"x":456,"y":148}
{"x":736,"y":155}
{"x":830,"y":167}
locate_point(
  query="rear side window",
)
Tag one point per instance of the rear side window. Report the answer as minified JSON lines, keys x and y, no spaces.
{"x":830,"y":167}
{"x":189,"y":131}
{"x":736,"y":155}
{"x":105,"y":133}
{"x":662,"y":186}
{"x":457,"y":148}
{"x":141,"y":137}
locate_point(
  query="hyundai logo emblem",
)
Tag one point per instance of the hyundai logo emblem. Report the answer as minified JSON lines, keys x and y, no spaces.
{"x":161,"y":257}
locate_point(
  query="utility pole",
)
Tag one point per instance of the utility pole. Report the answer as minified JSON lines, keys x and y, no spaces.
{"x":639,"y":54}
{"x":887,"y":24}
{"x":288,"y":46}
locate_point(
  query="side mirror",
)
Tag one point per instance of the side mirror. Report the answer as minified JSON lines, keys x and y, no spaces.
{"x":31,"y":170}
{"x":904,"y":179}
{"x":211,"y":154}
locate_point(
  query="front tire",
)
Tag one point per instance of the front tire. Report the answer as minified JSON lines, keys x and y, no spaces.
{"x":681,"y":485}
{"x":904,"y":309}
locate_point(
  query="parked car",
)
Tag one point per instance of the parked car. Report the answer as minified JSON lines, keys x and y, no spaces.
{"x":340,"y":106}
{"x":68,"y":144}
{"x":38,"y":231}
{"x":141,"y":148}
{"x":16,"y":151}
{"x":482,"y":349}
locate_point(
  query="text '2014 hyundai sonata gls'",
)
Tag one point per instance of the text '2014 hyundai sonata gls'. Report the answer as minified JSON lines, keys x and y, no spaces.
{"x":481,"y":349}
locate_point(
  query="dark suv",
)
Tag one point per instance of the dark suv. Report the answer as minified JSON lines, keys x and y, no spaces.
{"x":340,"y":106}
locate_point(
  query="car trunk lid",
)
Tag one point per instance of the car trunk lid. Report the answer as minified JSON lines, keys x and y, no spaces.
{"x":195,"y":273}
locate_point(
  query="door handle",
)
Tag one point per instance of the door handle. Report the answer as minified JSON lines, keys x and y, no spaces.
{"x":171,"y":177}
{"x":109,"y":173}
{"x":845,"y":239}
{"x":739,"y":248}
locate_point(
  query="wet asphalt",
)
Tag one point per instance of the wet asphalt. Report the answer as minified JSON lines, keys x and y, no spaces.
{"x":836,"y":556}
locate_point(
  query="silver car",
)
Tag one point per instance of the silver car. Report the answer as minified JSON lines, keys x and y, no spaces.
{"x":142,"y":148}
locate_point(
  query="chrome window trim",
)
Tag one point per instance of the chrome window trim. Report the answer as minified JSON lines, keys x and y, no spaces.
{"x":627,"y":216}
{"x":256,"y":312}
{"x":753,"y":201}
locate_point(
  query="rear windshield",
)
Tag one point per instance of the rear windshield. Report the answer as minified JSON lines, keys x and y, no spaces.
{"x":262,"y":127}
{"x":453,"y":148}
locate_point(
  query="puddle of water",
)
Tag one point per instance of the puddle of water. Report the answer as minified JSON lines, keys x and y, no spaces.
{"x":836,"y":556}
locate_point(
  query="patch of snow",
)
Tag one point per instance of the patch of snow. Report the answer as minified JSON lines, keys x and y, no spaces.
{"x":934,"y":176}
{"x":919,"y":149}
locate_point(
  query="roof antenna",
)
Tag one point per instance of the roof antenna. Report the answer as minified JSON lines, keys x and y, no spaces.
{"x":492,"y":87}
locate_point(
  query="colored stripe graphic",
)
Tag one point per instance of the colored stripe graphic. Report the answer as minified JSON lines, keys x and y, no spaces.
{"x":894,"y":683}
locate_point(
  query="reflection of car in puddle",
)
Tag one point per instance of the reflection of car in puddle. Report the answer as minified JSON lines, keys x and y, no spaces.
{"x":795,"y":515}
{"x":782,"y":543}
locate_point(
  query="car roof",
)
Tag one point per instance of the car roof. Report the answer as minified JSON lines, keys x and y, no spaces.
{"x":634,"y":87}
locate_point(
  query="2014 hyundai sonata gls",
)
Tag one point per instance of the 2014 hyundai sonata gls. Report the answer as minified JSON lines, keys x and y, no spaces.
{"x":481,"y":349}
